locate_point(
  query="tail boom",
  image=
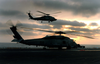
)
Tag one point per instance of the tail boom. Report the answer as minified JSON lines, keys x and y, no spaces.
{"x":17,"y":36}
{"x":30,"y":17}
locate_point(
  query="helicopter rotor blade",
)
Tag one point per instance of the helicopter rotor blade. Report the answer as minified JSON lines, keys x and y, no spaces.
{"x":43,"y":13}
{"x":18,"y":24}
{"x":57,"y":32}
{"x":9,"y":22}
{"x":56,"y":12}
{"x":37,"y":29}
{"x":44,"y":30}
{"x":83,"y":36}
{"x":28,"y":12}
{"x":61,"y":32}
{"x":70,"y":31}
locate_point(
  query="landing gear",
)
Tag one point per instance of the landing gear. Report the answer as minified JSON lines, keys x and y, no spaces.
{"x":44,"y":48}
{"x":59,"y":48}
{"x":68,"y":47}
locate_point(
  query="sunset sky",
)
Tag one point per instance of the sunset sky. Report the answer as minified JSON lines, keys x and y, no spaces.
{"x":79,"y":15}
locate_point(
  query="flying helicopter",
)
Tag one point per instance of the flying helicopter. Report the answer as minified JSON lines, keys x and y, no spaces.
{"x":47,"y":41}
{"x":45,"y":17}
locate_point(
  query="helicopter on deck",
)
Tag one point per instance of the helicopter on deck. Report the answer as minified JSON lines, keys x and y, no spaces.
{"x":45,"y":17}
{"x":47,"y":41}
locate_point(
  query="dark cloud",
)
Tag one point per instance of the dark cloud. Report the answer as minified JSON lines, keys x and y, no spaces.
{"x":29,"y":33}
{"x":4,"y":29}
{"x":57,"y":27}
{"x":3,"y":32}
{"x":3,"y":26}
{"x":13,"y":13}
{"x":36,"y":26}
{"x":86,"y":31}
{"x":93,"y":31}
{"x":86,"y":8}
{"x":56,"y":24}
{"x":80,"y":29}
{"x":65,"y":22}
{"x":9,"y":12}
{"x":93,"y":24}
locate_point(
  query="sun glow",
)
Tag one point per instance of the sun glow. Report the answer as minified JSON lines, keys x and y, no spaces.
{"x":67,"y":26}
{"x":51,"y":26}
{"x":93,"y":27}
{"x":65,"y":29}
{"x":75,"y":39}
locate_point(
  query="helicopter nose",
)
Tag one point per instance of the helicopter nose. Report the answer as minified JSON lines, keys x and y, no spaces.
{"x":55,"y":19}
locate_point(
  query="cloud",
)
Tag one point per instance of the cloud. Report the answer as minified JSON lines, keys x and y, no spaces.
{"x":12,"y":13}
{"x":36,"y":26}
{"x":59,"y":23}
{"x":4,"y":29}
{"x":77,"y":7}
{"x":86,"y":8}
{"x":93,"y":24}
{"x":56,"y":24}
{"x":66,"y":22}
{"x":29,"y":33}
{"x":9,"y":12}
{"x":86,"y":30}
{"x":3,"y":32}
{"x":2,"y":25}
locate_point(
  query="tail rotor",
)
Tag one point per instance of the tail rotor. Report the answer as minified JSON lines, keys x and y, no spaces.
{"x":11,"y":24}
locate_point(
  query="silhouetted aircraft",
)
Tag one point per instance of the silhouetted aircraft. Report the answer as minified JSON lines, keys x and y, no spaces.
{"x":58,"y":41}
{"x":47,"y":41}
{"x":46,"y":17}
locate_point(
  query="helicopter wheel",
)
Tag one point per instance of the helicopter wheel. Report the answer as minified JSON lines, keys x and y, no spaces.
{"x":69,"y":47}
{"x":44,"y":48}
{"x":59,"y":48}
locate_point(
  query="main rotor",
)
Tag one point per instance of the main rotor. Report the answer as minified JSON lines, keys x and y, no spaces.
{"x":65,"y":32}
{"x":45,"y":14}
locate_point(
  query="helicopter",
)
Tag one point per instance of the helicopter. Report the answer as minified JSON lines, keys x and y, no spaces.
{"x":46,"y":17}
{"x":47,"y":41}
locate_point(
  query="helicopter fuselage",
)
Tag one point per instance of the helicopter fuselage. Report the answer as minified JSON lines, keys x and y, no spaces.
{"x":52,"y":41}
{"x":43,"y":18}
{"x":49,"y":41}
